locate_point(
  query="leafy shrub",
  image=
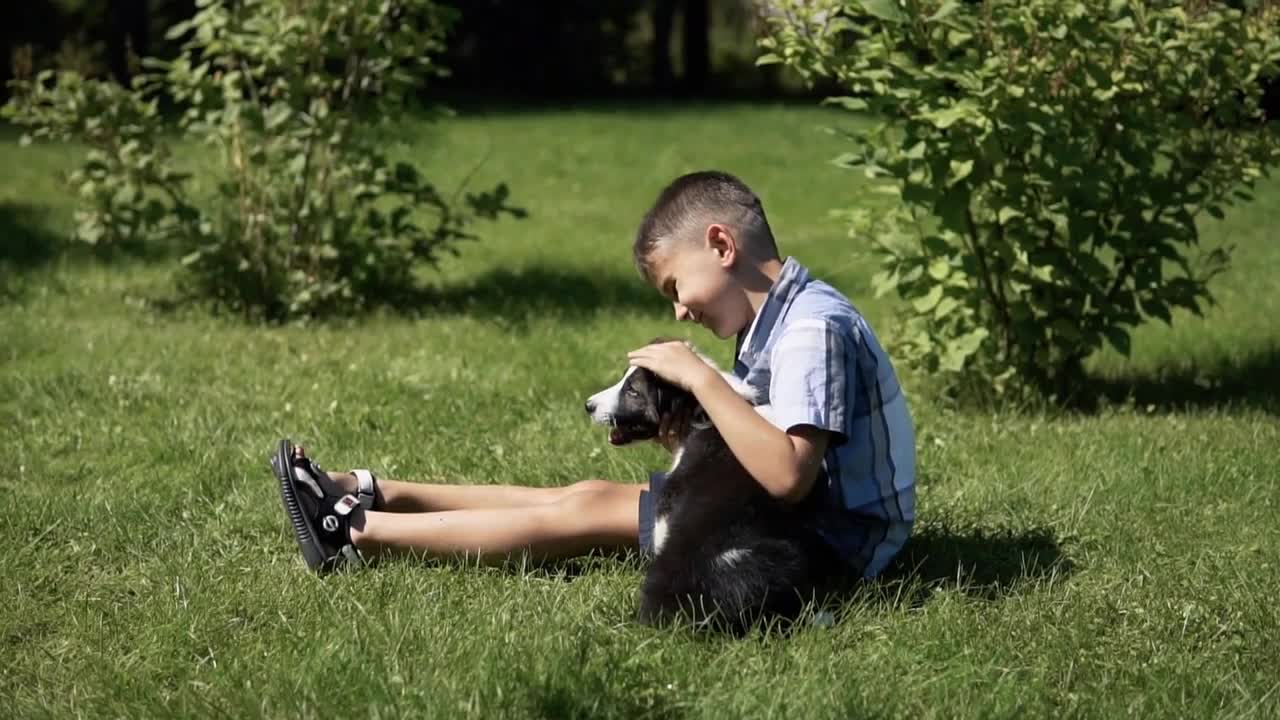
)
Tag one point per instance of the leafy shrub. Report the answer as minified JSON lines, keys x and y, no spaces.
{"x":126,"y":157}
{"x":309,"y":215}
{"x":1051,"y":159}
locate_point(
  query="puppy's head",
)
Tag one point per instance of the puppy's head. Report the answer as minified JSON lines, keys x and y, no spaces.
{"x":633,"y":407}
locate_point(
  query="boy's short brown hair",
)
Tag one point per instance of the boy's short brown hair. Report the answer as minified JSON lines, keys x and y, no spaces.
{"x":695,"y":200}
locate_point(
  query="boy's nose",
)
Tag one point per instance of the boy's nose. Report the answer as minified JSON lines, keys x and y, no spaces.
{"x":682,"y":312}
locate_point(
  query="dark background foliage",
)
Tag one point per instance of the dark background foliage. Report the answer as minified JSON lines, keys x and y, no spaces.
{"x":514,"y":50}
{"x":517,"y":50}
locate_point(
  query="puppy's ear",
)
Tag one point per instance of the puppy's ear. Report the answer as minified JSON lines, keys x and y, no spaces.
{"x":673,"y":400}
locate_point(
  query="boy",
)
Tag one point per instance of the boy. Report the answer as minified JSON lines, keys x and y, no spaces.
{"x":843,"y":442}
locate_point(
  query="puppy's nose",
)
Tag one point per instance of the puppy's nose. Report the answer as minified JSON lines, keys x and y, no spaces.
{"x":591,"y":407}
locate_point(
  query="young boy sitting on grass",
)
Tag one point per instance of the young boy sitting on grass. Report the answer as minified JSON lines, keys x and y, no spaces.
{"x":843,"y":442}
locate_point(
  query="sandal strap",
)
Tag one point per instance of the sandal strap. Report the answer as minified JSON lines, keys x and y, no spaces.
{"x":366,"y":490}
{"x":345,"y":505}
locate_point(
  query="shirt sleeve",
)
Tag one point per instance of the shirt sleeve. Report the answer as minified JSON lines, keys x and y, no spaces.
{"x":810,"y":380}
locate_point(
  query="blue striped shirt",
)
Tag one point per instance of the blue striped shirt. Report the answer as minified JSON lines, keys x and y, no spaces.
{"x":821,"y":365}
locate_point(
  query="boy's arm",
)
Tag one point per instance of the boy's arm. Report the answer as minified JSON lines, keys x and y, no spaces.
{"x":786,"y":464}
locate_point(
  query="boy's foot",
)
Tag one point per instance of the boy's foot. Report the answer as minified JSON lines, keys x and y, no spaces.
{"x":319,"y":511}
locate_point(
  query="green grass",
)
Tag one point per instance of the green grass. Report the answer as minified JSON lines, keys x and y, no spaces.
{"x":1117,"y":563}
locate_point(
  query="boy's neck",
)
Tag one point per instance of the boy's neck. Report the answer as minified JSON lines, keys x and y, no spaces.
{"x":758,"y":280}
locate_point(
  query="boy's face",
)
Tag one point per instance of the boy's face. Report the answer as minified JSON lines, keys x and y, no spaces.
{"x":698,"y":279}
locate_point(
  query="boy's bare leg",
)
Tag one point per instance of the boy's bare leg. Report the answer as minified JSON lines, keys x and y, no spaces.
{"x":601,"y":516}
{"x":408,"y":497}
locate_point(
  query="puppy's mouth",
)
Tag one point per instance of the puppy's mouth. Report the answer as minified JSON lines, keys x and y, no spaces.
{"x":619,"y":435}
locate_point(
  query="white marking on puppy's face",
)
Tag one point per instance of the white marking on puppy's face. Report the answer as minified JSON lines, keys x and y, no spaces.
{"x":604,"y":404}
{"x":731,"y":556}
{"x":659,"y":534}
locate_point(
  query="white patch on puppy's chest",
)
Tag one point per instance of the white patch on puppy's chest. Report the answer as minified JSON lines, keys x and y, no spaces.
{"x":675,"y":459}
{"x":659,"y":534}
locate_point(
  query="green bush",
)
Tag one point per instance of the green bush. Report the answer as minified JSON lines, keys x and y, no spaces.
{"x":127,"y":189}
{"x":1050,"y":159}
{"x":309,"y":216}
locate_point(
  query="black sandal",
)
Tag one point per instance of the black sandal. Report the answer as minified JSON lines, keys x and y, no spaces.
{"x":319,"y":511}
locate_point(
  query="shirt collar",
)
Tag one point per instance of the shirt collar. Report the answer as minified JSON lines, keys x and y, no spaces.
{"x":753,"y":341}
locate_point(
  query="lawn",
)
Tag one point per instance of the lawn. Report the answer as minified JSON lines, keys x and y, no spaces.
{"x":1118,"y":562}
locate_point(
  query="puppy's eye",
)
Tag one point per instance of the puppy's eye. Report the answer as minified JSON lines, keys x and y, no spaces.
{"x":631,"y":392}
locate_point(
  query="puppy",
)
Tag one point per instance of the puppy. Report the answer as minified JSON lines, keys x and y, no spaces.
{"x":726,"y":553}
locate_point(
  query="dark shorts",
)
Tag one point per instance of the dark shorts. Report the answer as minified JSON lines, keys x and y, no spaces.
{"x":648,"y":511}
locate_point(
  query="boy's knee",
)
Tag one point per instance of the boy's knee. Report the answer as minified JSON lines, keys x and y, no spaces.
{"x":600,"y":508}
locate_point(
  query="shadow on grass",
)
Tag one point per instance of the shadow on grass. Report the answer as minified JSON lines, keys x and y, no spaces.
{"x":25,"y":240}
{"x":989,"y":564}
{"x":510,"y":298}
{"x":517,"y":296}
{"x":25,"y":244}
{"x":1251,"y":383}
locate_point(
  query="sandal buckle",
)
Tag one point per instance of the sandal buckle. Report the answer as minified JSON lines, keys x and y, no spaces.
{"x":346,"y":504}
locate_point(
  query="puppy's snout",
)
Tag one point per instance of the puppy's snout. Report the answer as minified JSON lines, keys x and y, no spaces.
{"x":591,"y":407}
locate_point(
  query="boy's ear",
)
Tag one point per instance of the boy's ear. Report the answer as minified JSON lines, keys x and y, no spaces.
{"x":721,"y":241}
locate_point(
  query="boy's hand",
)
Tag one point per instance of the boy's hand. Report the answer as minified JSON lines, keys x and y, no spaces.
{"x":673,"y":362}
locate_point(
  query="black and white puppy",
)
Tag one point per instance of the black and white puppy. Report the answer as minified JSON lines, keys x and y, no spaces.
{"x":726,"y":553}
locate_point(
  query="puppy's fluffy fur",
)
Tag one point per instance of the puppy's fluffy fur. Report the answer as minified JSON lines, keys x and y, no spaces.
{"x":727,"y":554}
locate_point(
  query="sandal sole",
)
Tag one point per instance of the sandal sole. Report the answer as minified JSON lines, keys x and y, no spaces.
{"x":312,"y":552}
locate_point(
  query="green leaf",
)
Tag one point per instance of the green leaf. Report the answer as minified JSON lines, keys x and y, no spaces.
{"x":945,"y":118}
{"x":929,"y":300}
{"x":848,"y":103}
{"x":939,"y":269}
{"x":848,"y":160}
{"x":887,"y":10}
{"x":883,"y":282}
{"x":960,"y":169}
{"x":1006,"y":214}
{"x":945,"y":306}
{"x":1119,"y":339}
{"x":1157,"y":309}
{"x":959,"y":350}
{"x":948,"y":8}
